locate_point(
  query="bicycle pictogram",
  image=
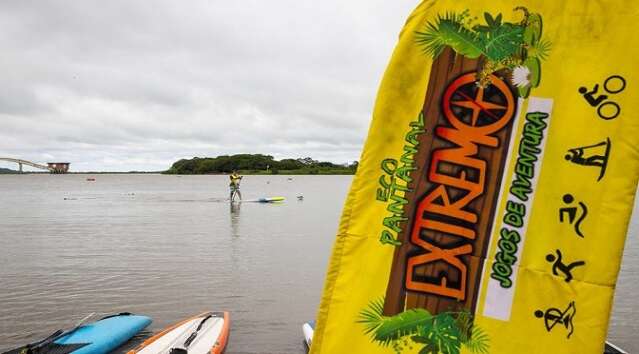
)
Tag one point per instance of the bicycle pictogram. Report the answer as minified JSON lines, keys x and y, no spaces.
{"x":607,"y":110}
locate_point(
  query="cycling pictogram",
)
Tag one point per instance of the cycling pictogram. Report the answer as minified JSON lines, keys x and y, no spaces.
{"x":607,"y":110}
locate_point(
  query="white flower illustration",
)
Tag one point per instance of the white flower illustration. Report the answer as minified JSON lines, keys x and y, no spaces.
{"x":521,"y":76}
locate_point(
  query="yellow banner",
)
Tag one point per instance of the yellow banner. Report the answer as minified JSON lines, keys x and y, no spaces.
{"x":490,"y":206}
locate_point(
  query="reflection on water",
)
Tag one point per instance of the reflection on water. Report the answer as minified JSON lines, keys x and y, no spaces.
{"x":235,"y":217}
{"x":170,"y":247}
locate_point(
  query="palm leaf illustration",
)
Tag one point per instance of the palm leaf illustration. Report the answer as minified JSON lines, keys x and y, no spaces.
{"x":372,"y":317}
{"x":478,"y":341}
{"x":448,"y":30}
{"x":504,"y":45}
{"x":443,"y":333}
{"x":386,"y":329}
{"x":473,"y":337}
{"x":403,"y":324}
{"x":540,"y":50}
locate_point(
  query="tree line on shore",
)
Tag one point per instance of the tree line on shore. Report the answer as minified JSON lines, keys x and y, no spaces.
{"x":257,"y":164}
{"x":7,"y":171}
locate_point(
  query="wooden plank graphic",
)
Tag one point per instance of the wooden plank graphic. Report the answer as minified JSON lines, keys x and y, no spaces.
{"x":454,"y":190}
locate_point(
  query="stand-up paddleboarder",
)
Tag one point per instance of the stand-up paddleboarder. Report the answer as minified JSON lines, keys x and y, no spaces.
{"x":235,"y":185}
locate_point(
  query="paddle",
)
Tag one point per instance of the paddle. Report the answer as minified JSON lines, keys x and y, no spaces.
{"x":34,"y":347}
{"x":191,"y":338}
{"x":27,"y":348}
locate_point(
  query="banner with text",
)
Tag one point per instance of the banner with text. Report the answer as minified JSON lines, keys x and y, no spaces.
{"x":491,"y":203}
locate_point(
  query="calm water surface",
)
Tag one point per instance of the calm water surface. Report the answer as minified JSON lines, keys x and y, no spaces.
{"x":170,"y":247}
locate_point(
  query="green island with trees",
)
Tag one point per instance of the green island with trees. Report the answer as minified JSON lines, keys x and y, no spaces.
{"x":258,"y":164}
{"x":6,"y":171}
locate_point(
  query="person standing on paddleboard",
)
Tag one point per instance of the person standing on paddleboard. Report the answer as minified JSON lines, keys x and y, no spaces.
{"x":235,"y":185}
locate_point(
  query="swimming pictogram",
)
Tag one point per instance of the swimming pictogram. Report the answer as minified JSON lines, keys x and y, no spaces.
{"x":595,"y":155}
{"x":576,"y":215}
{"x":606,"y":110}
{"x":560,"y":266}
{"x":554,"y":316}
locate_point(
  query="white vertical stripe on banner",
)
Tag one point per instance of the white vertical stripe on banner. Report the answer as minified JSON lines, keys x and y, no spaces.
{"x":499,"y":299}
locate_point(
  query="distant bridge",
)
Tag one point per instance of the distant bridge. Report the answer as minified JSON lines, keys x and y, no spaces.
{"x":53,"y":167}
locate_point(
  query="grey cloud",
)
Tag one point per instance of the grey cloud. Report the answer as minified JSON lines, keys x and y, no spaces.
{"x":121,"y":85}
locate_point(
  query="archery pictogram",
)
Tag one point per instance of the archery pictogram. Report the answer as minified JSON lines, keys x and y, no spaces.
{"x":554,"y":316}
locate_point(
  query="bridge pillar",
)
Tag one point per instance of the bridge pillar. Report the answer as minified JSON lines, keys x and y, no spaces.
{"x":19,"y":164}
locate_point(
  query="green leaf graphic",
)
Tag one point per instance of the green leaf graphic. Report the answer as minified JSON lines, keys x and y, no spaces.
{"x":502,"y":42}
{"x":403,"y":324}
{"x":443,"y":333}
{"x":448,"y":30}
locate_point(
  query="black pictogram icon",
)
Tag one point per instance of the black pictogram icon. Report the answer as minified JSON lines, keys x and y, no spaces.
{"x":589,"y":95}
{"x":553,"y":316}
{"x":560,"y":266}
{"x":606,"y":110}
{"x":589,"y":156}
{"x":572,"y":213}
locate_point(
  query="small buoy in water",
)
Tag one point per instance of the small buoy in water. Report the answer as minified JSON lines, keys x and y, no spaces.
{"x":290,"y":178}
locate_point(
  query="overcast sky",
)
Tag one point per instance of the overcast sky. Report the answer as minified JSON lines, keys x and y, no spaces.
{"x":137,"y":85}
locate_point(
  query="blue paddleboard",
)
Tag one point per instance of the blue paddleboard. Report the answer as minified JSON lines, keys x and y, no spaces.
{"x":99,"y":337}
{"x":265,"y":200}
{"x":106,"y":334}
{"x":271,"y":200}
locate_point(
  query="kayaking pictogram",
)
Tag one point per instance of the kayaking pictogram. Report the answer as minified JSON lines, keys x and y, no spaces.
{"x":572,"y":213}
{"x":560,"y":266}
{"x":606,"y":110}
{"x":554,"y":316}
{"x":587,"y":156}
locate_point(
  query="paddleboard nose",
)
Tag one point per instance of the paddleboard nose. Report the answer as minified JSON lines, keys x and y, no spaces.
{"x":141,"y":320}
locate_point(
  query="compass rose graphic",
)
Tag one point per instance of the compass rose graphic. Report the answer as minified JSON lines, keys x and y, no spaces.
{"x":488,"y":109}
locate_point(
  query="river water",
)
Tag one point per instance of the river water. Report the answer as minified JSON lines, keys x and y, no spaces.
{"x":171,"y":246}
